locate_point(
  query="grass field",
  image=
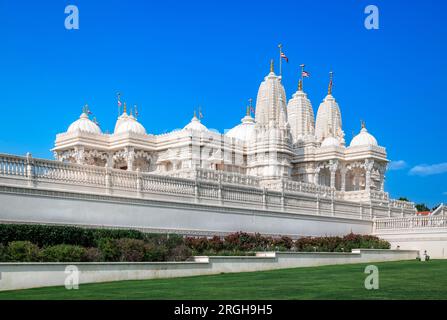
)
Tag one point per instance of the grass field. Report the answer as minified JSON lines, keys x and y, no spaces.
{"x":397,"y":280}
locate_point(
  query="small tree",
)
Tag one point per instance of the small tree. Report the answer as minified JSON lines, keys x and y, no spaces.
{"x":420,"y":207}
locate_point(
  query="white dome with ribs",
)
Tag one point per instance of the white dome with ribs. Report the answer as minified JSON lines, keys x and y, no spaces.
{"x":84,"y":124}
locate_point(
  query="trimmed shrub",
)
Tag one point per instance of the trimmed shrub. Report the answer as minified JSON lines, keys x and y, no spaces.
{"x":198,"y":244}
{"x":284,"y":243}
{"x":216,"y":243}
{"x":63,"y":253}
{"x":22,"y":251}
{"x":155,"y":252}
{"x":242,"y":241}
{"x":179,"y":253}
{"x":226,"y":253}
{"x":130,"y":249}
{"x":3,"y":254}
{"x":245,"y":242}
{"x":173,"y":240}
{"x":45,"y":235}
{"x":99,"y":234}
{"x":93,"y":255}
{"x":109,"y":250}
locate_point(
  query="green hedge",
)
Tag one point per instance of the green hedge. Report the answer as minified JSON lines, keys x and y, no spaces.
{"x":27,"y":243}
{"x":243,"y":242}
{"x":21,"y":251}
{"x":63,"y":253}
{"x":44,"y":235}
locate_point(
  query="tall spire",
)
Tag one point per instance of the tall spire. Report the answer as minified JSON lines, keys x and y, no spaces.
{"x":362,"y":123}
{"x":272,"y":68}
{"x":300,"y":85}
{"x":125,"y":108}
{"x":329,"y":90}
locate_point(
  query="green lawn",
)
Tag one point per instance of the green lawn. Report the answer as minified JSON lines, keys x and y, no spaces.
{"x":398,"y":280}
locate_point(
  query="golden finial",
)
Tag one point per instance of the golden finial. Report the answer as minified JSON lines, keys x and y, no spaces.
{"x":329,"y":90}
{"x":125,"y":108}
{"x":272,"y":68}
{"x":300,"y":85}
{"x":362,"y":123}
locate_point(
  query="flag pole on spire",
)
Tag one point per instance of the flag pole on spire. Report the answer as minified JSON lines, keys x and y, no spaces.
{"x":329,"y":90}
{"x":280,"y":59}
{"x":250,"y":109}
{"x":118,"y":96}
{"x":302,"y":76}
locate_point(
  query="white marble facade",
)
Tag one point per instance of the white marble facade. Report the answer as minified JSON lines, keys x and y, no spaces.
{"x":283,"y":142}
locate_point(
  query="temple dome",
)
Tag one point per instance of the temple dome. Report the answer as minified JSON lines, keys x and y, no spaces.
{"x":300,"y":115}
{"x":328,"y":122}
{"x":127,"y":123}
{"x":244,"y":130}
{"x":84,"y":124}
{"x":329,"y":119}
{"x":364,"y":138}
{"x":271,"y":103}
{"x":330,"y":142}
{"x":195,"y":125}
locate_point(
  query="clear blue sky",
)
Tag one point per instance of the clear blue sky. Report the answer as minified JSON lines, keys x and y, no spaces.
{"x":171,"y":56}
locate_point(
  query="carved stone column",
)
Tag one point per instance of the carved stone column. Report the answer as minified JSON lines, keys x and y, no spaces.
{"x":282,"y":194}
{"x":109,"y":162}
{"x":130,"y":158}
{"x":30,"y":169}
{"x":108,"y":180}
{"x":139,"y":183}
{"x":264,"y":197}
{"x":333,"y":170}
{"x":382,"y":171}
{"x":368,"y":168}
{"x":316,"y":175}
{"x":343,"y":178}
{"x":219,"y":191}
{"x":79,"y":151}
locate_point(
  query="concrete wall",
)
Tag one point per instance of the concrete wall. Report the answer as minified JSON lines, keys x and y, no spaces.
{"x":30,"y":205}
{"x":30,"y":275}
{"x":432,"y":241}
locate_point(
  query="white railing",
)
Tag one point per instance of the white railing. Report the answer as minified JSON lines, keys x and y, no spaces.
{"x":301,"y":187}
{"x":402,"y":205}
{"x":410,"y":223}
{"x":362,"y":195}
{"x":215,"y":175}
{"x":199,"y":186}
{"x":441,"y":210}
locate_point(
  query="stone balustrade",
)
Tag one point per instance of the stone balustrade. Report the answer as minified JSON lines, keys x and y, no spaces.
{"x":198,"y":186}
{"x":411,"y":223}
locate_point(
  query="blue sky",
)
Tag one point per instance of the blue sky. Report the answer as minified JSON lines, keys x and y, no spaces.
{"x":168,"y":57}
